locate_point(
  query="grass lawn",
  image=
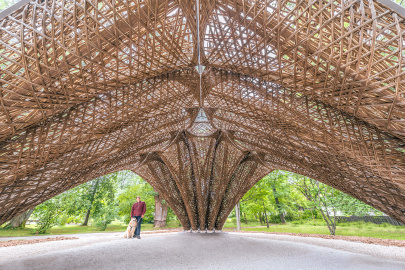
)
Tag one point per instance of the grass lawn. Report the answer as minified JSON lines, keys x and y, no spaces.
{"x":243,"y":225}
{"x":115,"y":226}
{"x":384,"y":231}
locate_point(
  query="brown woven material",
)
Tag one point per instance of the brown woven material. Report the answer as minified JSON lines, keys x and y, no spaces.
{"x":93,"y":87}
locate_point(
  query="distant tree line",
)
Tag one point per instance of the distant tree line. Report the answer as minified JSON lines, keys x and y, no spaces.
{"x":279,"y":197}
{"x":99,"y":202}
{"x":284,"y":196}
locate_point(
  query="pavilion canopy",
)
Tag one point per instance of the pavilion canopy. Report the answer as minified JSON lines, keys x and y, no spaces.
{"x":202,"y":100}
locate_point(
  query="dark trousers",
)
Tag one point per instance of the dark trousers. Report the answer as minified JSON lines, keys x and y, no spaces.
{"x":138,"y":226}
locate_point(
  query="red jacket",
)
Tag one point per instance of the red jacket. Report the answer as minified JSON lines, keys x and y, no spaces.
{"x":138,"y":209}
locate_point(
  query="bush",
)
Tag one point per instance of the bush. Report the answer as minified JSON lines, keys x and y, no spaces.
{"x":74,"y":220}
{"x":63,"y":220}
{"x":53,"y":211}
{"x":102,"y":224}
{"x":342,"y":222}
{"x":311,"y":214}
{"x":298,"y":222}
{"x":104,"y":217}
{"x":47,"y":214}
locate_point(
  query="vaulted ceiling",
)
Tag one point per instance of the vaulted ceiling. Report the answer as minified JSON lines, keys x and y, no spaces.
{"x":92,"y":87}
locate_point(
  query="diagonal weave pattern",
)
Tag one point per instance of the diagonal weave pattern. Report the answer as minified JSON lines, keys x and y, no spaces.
{"x":92,"y":87}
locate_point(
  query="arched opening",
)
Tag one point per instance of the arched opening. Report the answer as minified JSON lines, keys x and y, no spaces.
{"x":105,"y":201}
{"x":304,"y":205}
{"x":292,"y":87}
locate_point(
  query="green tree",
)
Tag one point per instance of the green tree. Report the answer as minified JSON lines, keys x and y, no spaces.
{"x":98,"y":200}
{"x":282,"y":196}
{"x":280,"y":190}
{"x":321,"y":196}
{"x":281,"y":200}
{"x":89,"y":196}
{"x":94,"y":200}
{"x":20,"y":220}
{"x":127,"y":198}
{"x":256,"y":201}
{"x":349,"y":206}
{"x":50,"y":212}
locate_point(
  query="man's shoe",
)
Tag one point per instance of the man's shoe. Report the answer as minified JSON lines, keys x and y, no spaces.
{"x":138,"y":237}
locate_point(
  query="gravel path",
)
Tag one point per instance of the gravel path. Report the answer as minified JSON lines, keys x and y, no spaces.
{"x":201,"y":251}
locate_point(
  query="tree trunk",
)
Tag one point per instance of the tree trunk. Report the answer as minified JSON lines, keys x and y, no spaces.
{"x":237,"y":210}
{"x":260,"y":218}
{"x":324,"y":209}
{"x":161,"y":208}
{"x":313,"y":217}
{"x":280,"y":211}
{"x":331,"y":223}
{"x":20,"y":220}
{"x":244,"y":214}
{"x":265,"y":214}
{"x":86,"y":220}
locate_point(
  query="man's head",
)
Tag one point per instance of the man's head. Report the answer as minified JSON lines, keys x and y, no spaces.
{"x":138,"y":199}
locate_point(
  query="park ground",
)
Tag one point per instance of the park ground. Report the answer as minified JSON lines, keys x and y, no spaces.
{"x":184,"y":250}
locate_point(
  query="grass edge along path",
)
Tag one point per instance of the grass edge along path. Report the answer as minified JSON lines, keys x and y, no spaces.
{"x":11,"y":243}
{"x":78,"y":229}
{"x":362,"y":239}
{"x":365,"y":231}
{"x":360,"y":229}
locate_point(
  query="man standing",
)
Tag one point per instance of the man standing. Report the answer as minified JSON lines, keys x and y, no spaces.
{"x":138,"y":210}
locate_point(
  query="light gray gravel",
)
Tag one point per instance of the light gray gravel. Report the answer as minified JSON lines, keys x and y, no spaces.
{"x":201,"y":251}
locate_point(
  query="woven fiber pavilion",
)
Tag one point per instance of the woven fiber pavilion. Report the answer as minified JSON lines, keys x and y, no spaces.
{"x":202,"y":99}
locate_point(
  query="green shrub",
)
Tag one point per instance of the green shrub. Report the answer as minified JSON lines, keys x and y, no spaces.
{"x":342,"y":222}
{"x":73,"y":219}
{"x":102,"y":224}
{"x":104,"y":217}
{"x":48,"y":214}
{"x":63,"y":220}
{"x":298,"y":222}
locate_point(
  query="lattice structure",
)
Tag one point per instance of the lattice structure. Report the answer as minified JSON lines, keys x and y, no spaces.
{"x":92,"y":87}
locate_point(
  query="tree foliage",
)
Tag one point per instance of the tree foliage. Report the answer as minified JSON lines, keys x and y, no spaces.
{"x":320,"y":197}
{"x":51,"y":211}
{"x":95,"y":200}
{"x":280,"y":196}
{"x":128,"y":198}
